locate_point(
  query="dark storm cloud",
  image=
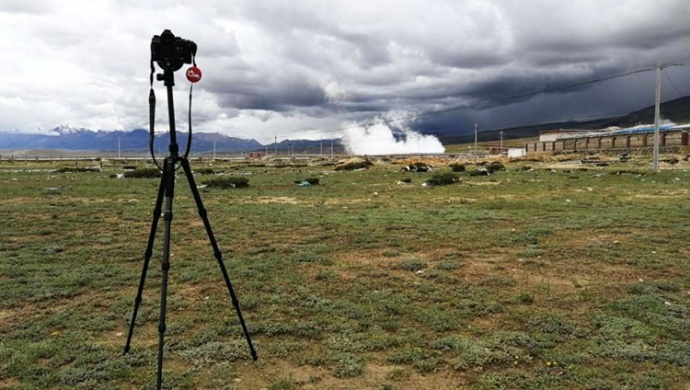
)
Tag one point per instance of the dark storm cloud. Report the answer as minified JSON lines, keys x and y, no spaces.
{"x":472,"y":53}
{"x":278,"y":95}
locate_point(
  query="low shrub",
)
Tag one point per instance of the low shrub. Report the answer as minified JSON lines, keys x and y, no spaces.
{"x":526,"y":298}
{"x":349,"y":366}
{"x":442,"y":179}
{"x":480,"y":172}
{"x":458,"y":167}
{"x":417,"y":167}
{"x":495,"y":167}
{"x":144,"y":173}
{"x":411,"y":265}
{"x":76,"y":169}
{"x":227,"y":182}
{"x":204,"y":171}
{"x":311,"y":180}
{"x":354,"y":165}
{"x":447,"y":265}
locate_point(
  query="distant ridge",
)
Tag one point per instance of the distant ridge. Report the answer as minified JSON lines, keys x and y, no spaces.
{"x":80,"y":139}
{"x":677,"y":111}
{"x":67,"y":138}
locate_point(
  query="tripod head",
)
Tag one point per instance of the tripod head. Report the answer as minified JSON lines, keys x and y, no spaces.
{"x":170,"y":53}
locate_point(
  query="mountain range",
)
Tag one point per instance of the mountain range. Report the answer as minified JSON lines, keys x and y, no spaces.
{"x":69,"y":138}
{"x":80,"y":139}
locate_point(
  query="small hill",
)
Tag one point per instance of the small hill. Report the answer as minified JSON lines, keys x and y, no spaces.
{"x":677,"y":111}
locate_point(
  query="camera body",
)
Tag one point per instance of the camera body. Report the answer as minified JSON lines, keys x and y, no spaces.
{"x":171,"y":52}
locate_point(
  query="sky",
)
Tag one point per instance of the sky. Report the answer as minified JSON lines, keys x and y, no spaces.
{"x":319,"y":69}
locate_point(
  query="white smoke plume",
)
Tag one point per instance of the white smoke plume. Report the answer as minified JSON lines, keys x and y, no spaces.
{"x":380,"y":138}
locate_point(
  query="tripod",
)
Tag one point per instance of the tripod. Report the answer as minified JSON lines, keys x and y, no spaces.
{"x":166,"y":191}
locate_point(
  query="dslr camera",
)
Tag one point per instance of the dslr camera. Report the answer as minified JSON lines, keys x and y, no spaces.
{"x":171,"y":52}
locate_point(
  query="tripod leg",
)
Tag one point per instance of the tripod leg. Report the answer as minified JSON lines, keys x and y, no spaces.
{"x":147,"y":258}
{"x":217,"y":253}
{"x":169,"y":177}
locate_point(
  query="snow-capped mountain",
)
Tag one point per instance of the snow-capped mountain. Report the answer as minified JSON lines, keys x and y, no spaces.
{"x":70,"y":138}
{"x":66,"y":130}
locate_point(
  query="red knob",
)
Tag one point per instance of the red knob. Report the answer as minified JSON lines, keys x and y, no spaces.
{"x":193,"y":74}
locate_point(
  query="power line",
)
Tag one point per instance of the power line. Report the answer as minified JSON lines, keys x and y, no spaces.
{"x":672,"y":83}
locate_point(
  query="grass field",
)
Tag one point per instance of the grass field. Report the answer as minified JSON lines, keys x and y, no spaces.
{"x":571,"y":277}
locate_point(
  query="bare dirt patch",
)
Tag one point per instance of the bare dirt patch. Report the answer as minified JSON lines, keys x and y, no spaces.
{"x":273,"y":199}
{"x":5,"y":314}
{"x":681,"y":193}
{"x":262,"y":374}
{"x":10,"y":383}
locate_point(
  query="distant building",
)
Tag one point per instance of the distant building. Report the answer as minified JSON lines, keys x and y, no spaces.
{"x":494,"y":150}
{"x":255,"y":154}
{"x":516,"y":152}
{"x":637,"y":137}
{"x":507,"y":151}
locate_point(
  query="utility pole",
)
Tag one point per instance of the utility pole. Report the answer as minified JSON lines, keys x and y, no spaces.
{"x":657,"y":103}
{"x":331,"y":148}
{"x":501,"y":144}
{"x":214,"y":150}
{"x":321,"y":153}
{"x":475,"y":141}
{"x":275,"y":146}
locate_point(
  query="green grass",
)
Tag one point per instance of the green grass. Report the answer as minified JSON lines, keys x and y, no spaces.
{"x":537,"y":278}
